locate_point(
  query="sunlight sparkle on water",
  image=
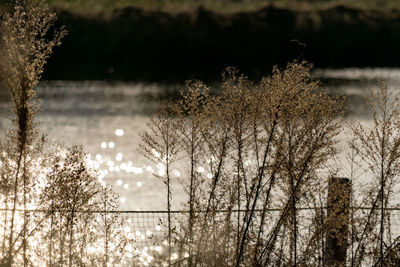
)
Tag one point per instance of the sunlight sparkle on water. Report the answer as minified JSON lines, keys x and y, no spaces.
{"x":156,"y":153}
{"x":149,"y":169}
{"x":177,"y":173}
{"x":136,"y":170}
{"x":119,"y":182}
{"x":119,"y":156}
{"x":119,"y":132}
{"x":103,"y":145}
{"x":126,"y":186}
{"x":139,"y":184}
{"x":161,"y":169}
{"x":111,"y":144}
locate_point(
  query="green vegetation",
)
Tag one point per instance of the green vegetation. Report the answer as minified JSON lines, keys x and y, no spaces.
{"x":93,"y":7}
{"x":151,"y":41}
{"x":223,"y":6}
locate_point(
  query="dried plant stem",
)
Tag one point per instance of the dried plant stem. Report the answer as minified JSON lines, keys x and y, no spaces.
{"x":258,"y":141}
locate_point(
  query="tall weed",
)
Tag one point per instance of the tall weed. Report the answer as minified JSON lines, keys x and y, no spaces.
{"x":51,"y":201}
{"x":253,"y":147}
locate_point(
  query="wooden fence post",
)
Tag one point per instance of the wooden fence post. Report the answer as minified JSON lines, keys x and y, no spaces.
{"x":337,"y":222}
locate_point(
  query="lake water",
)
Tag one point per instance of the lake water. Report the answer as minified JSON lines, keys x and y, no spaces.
{"x":107,"y":118}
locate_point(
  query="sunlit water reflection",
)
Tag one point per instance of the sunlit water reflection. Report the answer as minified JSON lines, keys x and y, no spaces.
{"x":107,"y":118}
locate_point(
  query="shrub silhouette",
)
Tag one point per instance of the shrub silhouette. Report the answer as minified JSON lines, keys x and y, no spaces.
{"x":24,"y":50}
{"x":376,"y":155}
{"x":253,"y":147}
{"x":50,"y":195}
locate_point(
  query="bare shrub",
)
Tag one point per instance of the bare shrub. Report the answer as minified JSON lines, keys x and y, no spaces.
{"x":376,"y":152}
{"x":253,"y":147}
{"x":24,"y":49}
{"x":50,"y":196}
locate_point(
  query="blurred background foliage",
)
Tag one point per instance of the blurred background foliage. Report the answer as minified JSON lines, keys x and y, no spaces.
{"x":175,"y":40}
{"x":90,"y":7}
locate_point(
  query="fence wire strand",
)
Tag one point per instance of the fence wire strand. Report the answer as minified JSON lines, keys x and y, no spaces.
{"x":147,"y":231}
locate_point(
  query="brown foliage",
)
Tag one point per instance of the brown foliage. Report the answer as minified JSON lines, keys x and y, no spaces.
{"x":49,"y":194}
{"x":254,"y":146}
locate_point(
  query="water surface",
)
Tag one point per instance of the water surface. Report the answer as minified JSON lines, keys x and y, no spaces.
{"x":93,"y":113}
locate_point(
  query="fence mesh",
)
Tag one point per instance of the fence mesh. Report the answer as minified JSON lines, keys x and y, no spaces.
{"x":146,"y":232}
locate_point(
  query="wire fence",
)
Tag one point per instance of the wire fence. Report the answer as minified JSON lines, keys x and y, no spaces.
{"x":150,"y":228}
{"x":147,"y":231}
